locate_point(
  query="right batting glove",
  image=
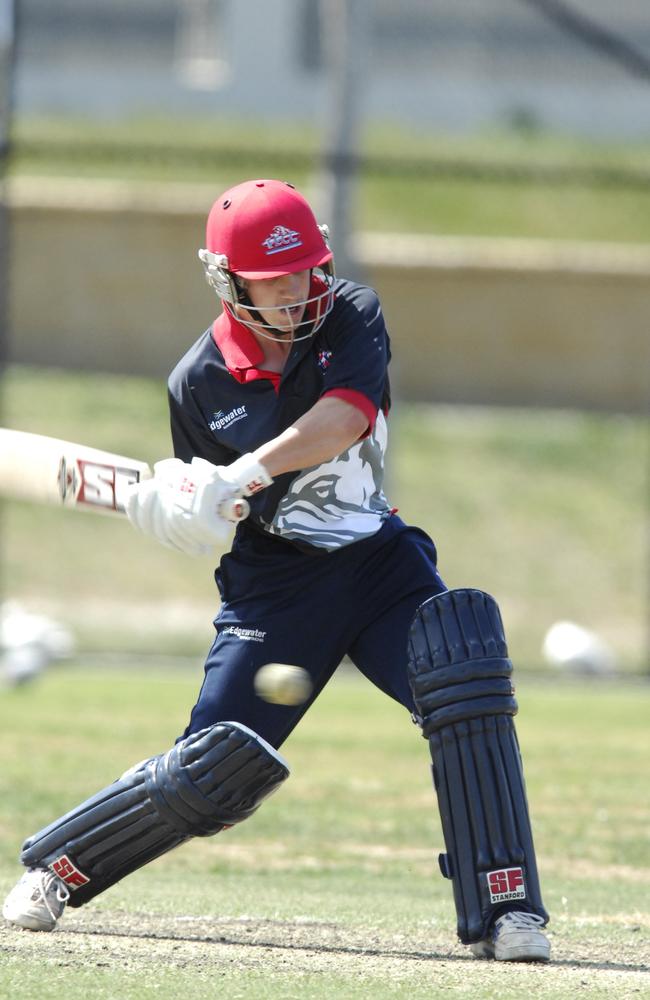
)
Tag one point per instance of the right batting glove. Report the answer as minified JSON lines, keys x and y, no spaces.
{"x":246,"y":475}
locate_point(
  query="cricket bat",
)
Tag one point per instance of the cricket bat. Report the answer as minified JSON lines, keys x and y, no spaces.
{"x":47,"y":470}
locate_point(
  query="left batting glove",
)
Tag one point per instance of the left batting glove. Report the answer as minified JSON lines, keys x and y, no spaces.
{"x":179,"y":506}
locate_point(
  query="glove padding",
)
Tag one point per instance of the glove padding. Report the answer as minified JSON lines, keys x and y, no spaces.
{"x":179,"y":506}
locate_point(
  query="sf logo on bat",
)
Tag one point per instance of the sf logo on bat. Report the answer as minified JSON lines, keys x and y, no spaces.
{"x":94,"y":484}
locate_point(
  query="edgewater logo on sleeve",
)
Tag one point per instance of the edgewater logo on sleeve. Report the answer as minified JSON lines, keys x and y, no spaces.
{"x":221,"y":419}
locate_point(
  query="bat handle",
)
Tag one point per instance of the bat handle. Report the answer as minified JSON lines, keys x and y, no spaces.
{"x":235,"y":509}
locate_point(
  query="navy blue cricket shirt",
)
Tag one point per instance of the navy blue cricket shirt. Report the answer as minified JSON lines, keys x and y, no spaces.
{"x":223,"y":405}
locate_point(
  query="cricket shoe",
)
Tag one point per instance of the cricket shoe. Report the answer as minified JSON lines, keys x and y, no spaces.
{"x":515,"y":937}
{"x":37,"y":901}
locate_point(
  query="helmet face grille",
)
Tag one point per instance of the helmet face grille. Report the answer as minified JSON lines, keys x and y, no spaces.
{"x":317,"y":306}
{"x":219,"y":276}
{"x":266,"y":228}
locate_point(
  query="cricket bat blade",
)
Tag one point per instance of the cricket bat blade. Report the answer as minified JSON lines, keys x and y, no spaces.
{"x":48,"y":470}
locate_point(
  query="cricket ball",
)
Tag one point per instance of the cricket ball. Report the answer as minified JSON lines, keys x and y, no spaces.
{"x":283,"y":684}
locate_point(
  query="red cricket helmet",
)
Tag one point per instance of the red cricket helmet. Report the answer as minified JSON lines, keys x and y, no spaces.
{"x":266,"y":228}
{"x":262,"y":229}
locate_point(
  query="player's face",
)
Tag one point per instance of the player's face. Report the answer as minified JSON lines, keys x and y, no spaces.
{"x":280,"y":300}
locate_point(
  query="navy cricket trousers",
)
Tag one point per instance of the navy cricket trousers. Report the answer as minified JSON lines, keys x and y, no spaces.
{"x":282,"y":605}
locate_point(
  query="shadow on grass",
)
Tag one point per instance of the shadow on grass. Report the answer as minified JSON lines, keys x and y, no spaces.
{"x":375,"y":951}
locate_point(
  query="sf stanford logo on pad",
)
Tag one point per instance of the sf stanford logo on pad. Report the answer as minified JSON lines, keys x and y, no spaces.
{"x":66,"y":870}
{"x":506,"y":884}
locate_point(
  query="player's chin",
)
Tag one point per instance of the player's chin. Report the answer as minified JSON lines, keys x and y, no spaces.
{"x":289,"y":318}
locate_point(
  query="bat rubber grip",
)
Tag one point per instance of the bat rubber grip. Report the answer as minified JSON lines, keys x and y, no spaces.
{"x":235,"y":509}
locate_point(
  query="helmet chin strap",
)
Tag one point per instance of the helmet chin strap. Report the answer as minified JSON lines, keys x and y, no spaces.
{"x":263,"y":329}
{"x":274,"y":333}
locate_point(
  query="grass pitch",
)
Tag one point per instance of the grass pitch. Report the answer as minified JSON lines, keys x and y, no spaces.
{"x":332,"y":888}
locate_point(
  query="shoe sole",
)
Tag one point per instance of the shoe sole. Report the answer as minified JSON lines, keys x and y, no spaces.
{"x":28,"y":923}
{"x":523,"y":954}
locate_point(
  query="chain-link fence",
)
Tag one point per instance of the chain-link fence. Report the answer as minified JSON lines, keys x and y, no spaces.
{"x":436,"y":64}
{"x":439,"y":67}
{"x":534,"y":95}
{"x":7,"y":20}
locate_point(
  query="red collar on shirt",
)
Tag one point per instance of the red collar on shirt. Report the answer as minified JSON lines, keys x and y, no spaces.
{"x":240,"y":350}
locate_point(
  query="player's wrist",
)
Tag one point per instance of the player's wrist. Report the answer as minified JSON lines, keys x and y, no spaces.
{"x":248,"y":474}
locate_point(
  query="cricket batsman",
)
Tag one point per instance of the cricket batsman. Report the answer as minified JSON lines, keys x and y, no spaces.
{"x":285,"y":400}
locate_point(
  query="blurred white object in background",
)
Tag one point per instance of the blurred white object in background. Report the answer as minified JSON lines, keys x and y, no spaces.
{"x":571,"y":647}
{"x":28,"y":643}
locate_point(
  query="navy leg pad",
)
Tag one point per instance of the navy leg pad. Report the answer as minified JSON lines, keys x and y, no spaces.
{"x":208,"y":781}
{"x":460,"y":677}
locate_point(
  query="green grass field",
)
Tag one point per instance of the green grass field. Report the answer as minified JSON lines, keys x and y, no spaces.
{"x":332,"y":888}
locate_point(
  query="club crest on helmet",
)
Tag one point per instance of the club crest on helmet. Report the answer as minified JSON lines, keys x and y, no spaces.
{"x":281,"y":239}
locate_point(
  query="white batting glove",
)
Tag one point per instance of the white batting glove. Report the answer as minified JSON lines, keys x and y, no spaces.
{"x":179,"y":505}
{"x":246,"y":475}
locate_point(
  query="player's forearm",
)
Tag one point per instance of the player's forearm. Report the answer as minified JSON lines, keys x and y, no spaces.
{"x":330,"y":427}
